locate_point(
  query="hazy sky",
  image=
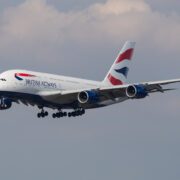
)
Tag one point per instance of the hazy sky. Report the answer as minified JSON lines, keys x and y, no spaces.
{"x":135,"y":140}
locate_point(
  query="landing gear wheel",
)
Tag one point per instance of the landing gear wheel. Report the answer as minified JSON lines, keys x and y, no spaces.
{"x":59,"y":114}
{"x":39,"y":115}
{"x":65,"y":114}
{"x":42,"y":114}
{"x":76,"y":113}
{"x":46,"y":113}
{"x":54,"y":115}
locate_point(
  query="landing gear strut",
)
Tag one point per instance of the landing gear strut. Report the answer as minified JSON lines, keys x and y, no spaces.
{"x":42,"y":114}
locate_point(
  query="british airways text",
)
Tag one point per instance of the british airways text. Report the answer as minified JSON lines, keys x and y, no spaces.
{"x":42,"y":84}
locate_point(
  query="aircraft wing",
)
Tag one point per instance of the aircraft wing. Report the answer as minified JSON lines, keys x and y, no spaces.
{"x":150,"y":86}
{"x":111,"y":92}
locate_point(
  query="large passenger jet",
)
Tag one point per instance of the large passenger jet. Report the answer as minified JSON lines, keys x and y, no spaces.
{"x":62,"y":93}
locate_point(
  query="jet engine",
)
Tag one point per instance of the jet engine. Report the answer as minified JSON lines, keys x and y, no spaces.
{"x":88,"y":97}
{"x":136,"y":91}
{"x":5,"y":104}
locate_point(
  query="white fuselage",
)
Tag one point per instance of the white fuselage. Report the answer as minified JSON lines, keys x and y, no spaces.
{"x":41,"y":84}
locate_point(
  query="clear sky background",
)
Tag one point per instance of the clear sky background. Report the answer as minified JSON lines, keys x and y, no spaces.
{"x":134,"y":140}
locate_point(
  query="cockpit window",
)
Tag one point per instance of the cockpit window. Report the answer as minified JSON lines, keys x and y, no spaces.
{"x":2,"y":79}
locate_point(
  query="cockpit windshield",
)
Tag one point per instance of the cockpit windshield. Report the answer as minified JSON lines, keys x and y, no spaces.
{"x":2,"y":79}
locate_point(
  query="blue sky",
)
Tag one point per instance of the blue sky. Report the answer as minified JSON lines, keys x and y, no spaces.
{"x":133,"y":140}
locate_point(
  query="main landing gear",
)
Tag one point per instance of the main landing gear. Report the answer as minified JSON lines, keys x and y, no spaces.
{"x":61,"y":114}
{"x":76,"y":113}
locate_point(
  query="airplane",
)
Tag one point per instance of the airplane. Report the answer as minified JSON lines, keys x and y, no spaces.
{"x":70,"y":96}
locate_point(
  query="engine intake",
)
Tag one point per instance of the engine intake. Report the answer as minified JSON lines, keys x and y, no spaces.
{"x":136,"y":92}
{"x":88,"y":97}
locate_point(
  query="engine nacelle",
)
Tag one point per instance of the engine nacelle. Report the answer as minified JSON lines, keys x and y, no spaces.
{"x":88,"y":97}
{"x":5,"y":104}
{"x":136,"y":92}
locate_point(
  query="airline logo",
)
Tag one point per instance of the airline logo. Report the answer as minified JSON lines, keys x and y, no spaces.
{"x":121,"y":69}
{"x":20,"y":76}
{"x":124,"y":71}
{"x":126,"y":55}
{"x":34,"y":83}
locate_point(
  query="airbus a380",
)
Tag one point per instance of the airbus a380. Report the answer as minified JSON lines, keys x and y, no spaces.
{"x":62,"y":93}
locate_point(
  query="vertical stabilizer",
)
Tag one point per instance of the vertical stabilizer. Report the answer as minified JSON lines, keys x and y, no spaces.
{"x":118,"y":73}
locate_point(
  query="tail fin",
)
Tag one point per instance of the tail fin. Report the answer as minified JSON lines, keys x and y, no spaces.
{"x":117,"y":75}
